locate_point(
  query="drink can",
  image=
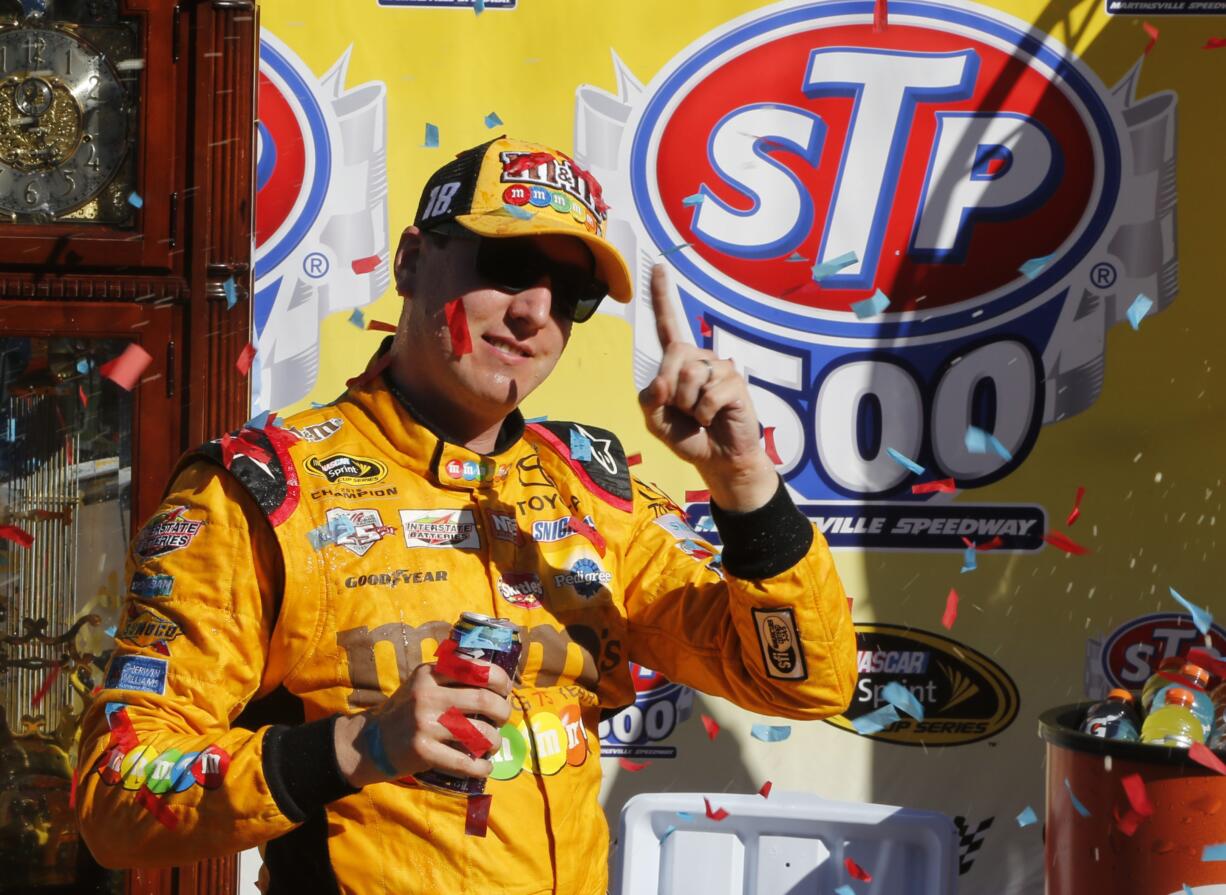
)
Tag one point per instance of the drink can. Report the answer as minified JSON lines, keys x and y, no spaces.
{"x":494,"y":640}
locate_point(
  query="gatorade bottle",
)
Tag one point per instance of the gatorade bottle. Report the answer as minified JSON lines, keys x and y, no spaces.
{"x":1172,"y":723}
{"x":1193,"y":679}
{"x":1115,"y":718}
{"x":1167,"y":668}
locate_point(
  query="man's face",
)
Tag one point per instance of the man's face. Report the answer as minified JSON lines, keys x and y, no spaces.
{"x":516,"y":338}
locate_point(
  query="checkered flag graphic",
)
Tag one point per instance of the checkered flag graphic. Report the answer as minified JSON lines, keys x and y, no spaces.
{"x":970,"y":841}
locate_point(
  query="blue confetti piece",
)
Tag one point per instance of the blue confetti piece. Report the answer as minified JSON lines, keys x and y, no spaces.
{"x":496,"y":639}
{"x":1001,"y":450}
{"x":516,"y":212}
{"x":844,"y":890}
{"x":1032,"y":267}
{"x":875,"y":721}
{"x":1141,"y":305}
{"x":1081,"y":809}
{"x":706,"y":523}
{"x":537,"y":419}
{"x":833,"y":266}
{"x":112,"y":631}
{"x":112,"y":708}
{"x":358,"y":319}
{"x":685,"y":815}
{"x":315,"y":405}
{"x":905,"y":461}
{"x":83,"y":365}
{"x":341,"y":526}
{"x":1202,"y":618}
{"x":12,"y":436}
{"x":794,"y":257}
{"x":980,"y":442}
{"x":580,"y":446}
{"x":969,"y":563}
{"x":871,"y":306}
{"x":771,"y":733}
{"x":431,"y":136}
{"x":903,"y":699}
{"x":677,"y":248}
{"x":1027,"y":817}
{"x":492,"y":120}
{"x":478,"y":7}
{"x":668,"y":831}
{"x":259,"y":421}
{"x":319,"y":537}
{"x":1214,"y":852}
{"x":230,"y":288}
{"x":693,"y":200}
{"x":1187,"y":890}
{"x":135,"y":200}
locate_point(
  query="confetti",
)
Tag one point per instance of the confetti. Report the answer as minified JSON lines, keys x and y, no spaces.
{"x":457,"y":323}
{"x":668,"y":831}
{"x":465,"y":732}
{"x":159,"y":809}
{"x":1027,"y":817}
{"x":358,"y":319}
{"x":794,"y":257}
{"x":951,"y":610}
{"x":17,"y":535}
{"x":686,"y":815}
{"x":871,"y":306}
{"x":478,"y":7}
{"x":515,"y":211}
{"x":632,"y":766}
{"x":1214,"y":852}
{"x":50,"y":679}
{"x":1076,"y":511}
{"x":1081,"y":809}
{"x":969,"y":563}
{"x":677,"y":248}
{"x":978,"y":442}
{"x":1065,"y":543}
{"x":697,"y":496}
{"x":365,"y":265}
{"x":1214,"y":43}
{"x":855,"y":871}
{"x":1140,"y":306}
{"x":380,"y":326}
{"x":903,"y":699}
{"x":245,"y":357}
{"x":595,"y":538}
{"x":765,"y":791}
{"x":492,"y":120}
{"x":126,"y":369}
{"x":1153,"y":36}
{"x":771,"y":733}
{"x":1138,"y":798}
{"x":881,"y":15}
{"x":634,"y":459}
{"x":135,"y":200}
{"x":1032,"y":267}
{"x":711,"y":726}
{"x":230,"y":288}
{"x":844,"y":890}
{"x":477,"y":813}
{"x":772,"y":453}
{"x":905,"y":461}
{"x":833,"y":266}
{"x":716,"y":813}
{"x":580,"y":446}
{"x":1130,"y":822}
{"x":459,"y":669}
{"x":693,"y":200}
{"x":259,"y":421}
{"x":947,"y":485}
{"x":84,"y":365}
{"x":876,"y":721}
{"x":704,"y":328}
{"x":431,"y":136}
{"x":536,"y":419}
{"x":130,"y":65}
{"x":1202,"y":618}
{"x":81,"y":395}
{"x":1208,"y":659}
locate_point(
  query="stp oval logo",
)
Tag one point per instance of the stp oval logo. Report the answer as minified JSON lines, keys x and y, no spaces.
{"x":1132,"y":652}
{"x":930,"y":161}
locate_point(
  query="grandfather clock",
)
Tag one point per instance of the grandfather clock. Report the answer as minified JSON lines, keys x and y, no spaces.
{"x":126,"y":203}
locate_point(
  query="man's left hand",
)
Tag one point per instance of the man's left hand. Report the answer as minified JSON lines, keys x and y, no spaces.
{"x":699,"y":406}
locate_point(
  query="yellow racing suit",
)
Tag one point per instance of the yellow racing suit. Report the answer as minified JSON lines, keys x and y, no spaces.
{"x":295,"y":574}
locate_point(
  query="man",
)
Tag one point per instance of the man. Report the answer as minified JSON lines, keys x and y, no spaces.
{"x":318,"y":567}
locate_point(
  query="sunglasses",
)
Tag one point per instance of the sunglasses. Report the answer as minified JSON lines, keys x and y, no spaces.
{"x":514,"y":264}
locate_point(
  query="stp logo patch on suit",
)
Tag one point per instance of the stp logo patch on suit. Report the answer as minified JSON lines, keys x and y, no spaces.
{"x":961,"y":166}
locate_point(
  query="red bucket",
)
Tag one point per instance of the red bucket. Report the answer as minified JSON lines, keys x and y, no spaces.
{"x":1092,"y":854}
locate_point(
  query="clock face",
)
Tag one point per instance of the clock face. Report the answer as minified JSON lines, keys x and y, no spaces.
{"x":65,"y":121}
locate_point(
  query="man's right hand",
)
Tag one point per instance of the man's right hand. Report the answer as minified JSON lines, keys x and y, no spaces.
{"x":413,"y":738}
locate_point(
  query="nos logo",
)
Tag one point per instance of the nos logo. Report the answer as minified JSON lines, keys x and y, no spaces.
{"x":936,"y":158}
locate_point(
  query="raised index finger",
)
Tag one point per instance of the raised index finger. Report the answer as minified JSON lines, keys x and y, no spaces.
{"x":666,"y":323}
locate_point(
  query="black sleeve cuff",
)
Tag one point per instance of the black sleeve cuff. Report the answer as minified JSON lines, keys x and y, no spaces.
{"x":301,"y":769}
{"x":764,"y":542}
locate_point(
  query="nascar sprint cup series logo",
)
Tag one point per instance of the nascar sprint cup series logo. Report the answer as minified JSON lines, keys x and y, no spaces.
{"x":913,"y":242}
{"x":321,"y":213}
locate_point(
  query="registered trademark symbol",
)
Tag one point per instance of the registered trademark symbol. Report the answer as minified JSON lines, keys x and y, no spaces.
{"x":1102,"y":275}
{"x":316,"y":265}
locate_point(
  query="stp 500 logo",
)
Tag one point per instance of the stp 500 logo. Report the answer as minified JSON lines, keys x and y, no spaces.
{"x":929,"y":161}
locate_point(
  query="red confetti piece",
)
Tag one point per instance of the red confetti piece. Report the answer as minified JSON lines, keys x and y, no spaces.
{"x":697,"y":496}
{"x":72,"y":791}
{"x":1075,"y":512}
{"x":594,"y":537}
{"x":123,"y":735}
{"x":1153,"y":36}
{"x":1138,"y":798}
{"x":951,"y":610}
{"x":1202,"y":755}
{"x":765,"y":791}
{"x":82,"y":396}
{"x":714,"y":813}
{"x":17,"y":535}
{"x":460,"y":669}
{"x":126,"y":369}
{"x":372,"y":372}
{"x":477,"y":816}
{"x":159,"y":809}
{"x":634,"y":459}
{"x":245,"y":357}
{"x":986,"y":545}
{"x":1129,"y":822}
{"x":1214,"y":43}
{"x":1065,"y":543}
{"x":768,"y":435}
{"x":933,"y":487}
{"x":365,"y":265}
{"x":704,"y":327}
{"x":711,"y":726}
{"x":855,"y":871}
{"x":473,"y":741}
{"x":380,"y":326}
{"x":881,"y":15}
{"x":457,"y":323}
{"x":47,"y":684}
{"x":1198,"y":655}
{"x":632,"y":766}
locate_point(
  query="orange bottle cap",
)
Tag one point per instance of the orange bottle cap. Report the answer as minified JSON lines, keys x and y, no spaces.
{"x":1119,"y":693}
{"x":1196,"y":674}
{"x":1180,"y":696}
